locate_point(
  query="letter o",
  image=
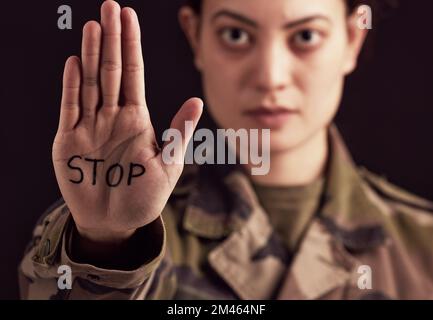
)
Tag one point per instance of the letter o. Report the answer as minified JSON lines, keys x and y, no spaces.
{"x":107,"y":176}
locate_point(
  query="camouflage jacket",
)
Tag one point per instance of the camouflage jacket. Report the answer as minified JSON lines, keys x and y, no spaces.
{"x":217,"y":243}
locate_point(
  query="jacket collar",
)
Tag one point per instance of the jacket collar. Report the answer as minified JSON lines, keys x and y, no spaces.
{"x":350,"y":210}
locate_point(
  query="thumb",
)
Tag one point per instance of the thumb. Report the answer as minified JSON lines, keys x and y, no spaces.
{"x":181,"y":131}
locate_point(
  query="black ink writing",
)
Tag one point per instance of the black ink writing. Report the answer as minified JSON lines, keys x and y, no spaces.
{"x":113,"y":176}
{"x":76,"y":168}
{"x":109,"y":173}
{"x":131,"y":172}
{"x":95,"y":166}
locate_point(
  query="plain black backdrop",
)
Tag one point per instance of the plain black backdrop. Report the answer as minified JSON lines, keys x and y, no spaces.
{"x":386,"y":115}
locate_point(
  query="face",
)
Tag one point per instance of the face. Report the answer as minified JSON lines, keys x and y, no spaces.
{"x":276,"y":64}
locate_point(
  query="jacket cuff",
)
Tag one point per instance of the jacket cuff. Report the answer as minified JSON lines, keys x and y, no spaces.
{"x":119,"y":279}
{"x":56,"y":241}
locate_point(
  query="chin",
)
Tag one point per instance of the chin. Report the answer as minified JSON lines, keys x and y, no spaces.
{"x":282,"y":146}
{"x":285,"y":140}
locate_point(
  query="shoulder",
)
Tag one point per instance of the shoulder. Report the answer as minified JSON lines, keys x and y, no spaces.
{"x":408,"y":217}
{"x":408,"y":221}
{"x":397,"y":197}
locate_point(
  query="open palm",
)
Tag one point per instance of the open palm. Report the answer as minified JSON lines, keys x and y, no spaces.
{"x":97,"y":134}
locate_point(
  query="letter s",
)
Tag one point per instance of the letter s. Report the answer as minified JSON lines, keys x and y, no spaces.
{"x":76,"y":168}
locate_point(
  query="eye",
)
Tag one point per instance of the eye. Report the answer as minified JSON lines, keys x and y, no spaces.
{"x":235,"y":37}
{"x":307,"y":39}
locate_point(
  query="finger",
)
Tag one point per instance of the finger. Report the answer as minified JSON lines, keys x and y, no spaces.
{"x":90,"y":52}
{"x":111,"y":63}
{"x":133,"y":66}
{"x":70,"y":106}
{"x":191,"y":110}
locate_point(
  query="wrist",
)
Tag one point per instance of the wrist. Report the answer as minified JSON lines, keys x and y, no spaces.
{"x":104,"y":237}
{"x":120,"y":251}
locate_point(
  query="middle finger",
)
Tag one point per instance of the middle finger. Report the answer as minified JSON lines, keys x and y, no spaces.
{"x":111,"y":62}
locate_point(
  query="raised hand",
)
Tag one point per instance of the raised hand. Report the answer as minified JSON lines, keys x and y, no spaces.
{"x":100,"y":140}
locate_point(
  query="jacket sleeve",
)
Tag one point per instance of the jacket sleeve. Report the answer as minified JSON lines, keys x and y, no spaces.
{"x":43,"y":271}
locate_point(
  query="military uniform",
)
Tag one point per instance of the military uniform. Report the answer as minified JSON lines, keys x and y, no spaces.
{"x":217,"y":242}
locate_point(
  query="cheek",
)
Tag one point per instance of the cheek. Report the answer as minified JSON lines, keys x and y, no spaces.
{"x":221,"y":86}
{"x":321,"y":81}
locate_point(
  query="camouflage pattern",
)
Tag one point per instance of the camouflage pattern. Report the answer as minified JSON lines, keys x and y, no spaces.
{"x":218,"y":244}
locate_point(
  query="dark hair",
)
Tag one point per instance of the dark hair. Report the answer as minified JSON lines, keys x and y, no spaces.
{"x":380,"y":7}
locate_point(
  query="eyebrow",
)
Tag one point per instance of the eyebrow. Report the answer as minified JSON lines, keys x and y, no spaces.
{"x":252,"y":23}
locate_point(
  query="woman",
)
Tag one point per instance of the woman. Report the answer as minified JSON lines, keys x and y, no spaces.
{"x":314,"y":226}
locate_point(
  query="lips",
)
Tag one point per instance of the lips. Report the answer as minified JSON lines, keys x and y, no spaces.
{"x":271,"y":117}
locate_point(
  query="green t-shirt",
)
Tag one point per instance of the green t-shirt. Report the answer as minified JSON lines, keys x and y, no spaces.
{"x":290,"y":209}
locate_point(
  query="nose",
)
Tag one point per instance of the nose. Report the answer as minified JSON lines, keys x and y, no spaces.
{"x":272,"y":70}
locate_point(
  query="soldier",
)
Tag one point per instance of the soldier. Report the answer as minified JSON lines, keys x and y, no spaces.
{"x":314,"y":227}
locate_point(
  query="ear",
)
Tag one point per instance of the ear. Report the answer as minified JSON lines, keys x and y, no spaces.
{"x":190,"y":24}
{"x":356,"y":35}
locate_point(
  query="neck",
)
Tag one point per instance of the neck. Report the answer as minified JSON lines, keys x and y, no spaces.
{"x":297,"y":166}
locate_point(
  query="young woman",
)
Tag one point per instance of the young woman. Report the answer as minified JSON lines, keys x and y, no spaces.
{"x":313,"y":227}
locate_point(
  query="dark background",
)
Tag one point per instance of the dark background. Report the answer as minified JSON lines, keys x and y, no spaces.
{"x":386,"y":117}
